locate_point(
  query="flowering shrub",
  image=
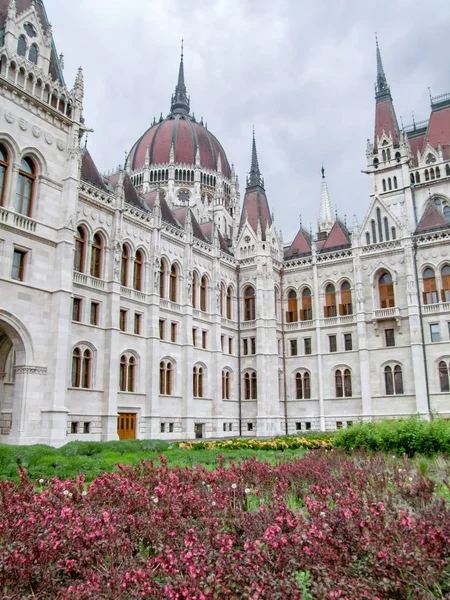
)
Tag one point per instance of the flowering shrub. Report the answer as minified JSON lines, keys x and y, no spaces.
{"x":326,"y":526}
{"x":278,"y":443}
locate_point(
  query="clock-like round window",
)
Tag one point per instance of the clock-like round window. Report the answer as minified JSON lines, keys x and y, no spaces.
{"x":247,"y":239}
{"x":31,"y":31}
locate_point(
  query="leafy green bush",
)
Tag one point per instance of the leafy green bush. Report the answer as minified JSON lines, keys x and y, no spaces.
{"x":404,"y":436}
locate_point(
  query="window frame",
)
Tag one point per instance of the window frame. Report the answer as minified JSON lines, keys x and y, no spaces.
{"x":18,"y":269}
{"x":24,"y":178}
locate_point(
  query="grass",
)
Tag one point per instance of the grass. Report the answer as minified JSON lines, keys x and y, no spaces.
{"x":93,"y":458}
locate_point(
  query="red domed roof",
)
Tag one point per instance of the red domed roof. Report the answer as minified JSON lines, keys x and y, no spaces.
{"x":186,"y":135}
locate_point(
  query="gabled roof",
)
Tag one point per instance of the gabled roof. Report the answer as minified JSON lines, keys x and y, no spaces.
{"x":166,"y":213}
{"x":438,"y":131}
{"x":432,"y":219}
{"x":130,"y":193}
{"x":22,"y":6}
{"x":180,"y":215}
{"x":416,"y":144}
{"x":301,"y":246}
{"x":256,"y":208}
{"x":385,"y":120}
{"x":89,"y":171}
{"x":339,"y":237}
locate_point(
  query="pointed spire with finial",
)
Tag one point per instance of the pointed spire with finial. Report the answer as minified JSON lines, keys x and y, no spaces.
{"x":79,"y":82}
{"x":381,"y":89}
{"x":254,"y":178}
{"x":180,"y":99}
{"x":326,"y":210}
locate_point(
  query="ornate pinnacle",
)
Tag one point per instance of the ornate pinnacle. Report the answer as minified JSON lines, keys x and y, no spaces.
{"x":180,"y":99}
{"x":326,"y":211}
{"x":79,"y":82}
{"x":254,"y":178}
{"x":12,"y":9}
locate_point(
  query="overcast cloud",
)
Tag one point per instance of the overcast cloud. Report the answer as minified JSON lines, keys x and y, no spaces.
{"x":301,"y":71}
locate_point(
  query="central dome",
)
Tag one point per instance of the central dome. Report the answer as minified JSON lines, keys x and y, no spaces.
{"x":187,"y":136}
{"x":180,"y":131}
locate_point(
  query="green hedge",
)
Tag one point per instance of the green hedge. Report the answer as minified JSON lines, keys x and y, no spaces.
{"x":404,"y":436}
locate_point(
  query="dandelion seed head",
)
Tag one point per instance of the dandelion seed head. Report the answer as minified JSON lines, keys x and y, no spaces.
{"x":233,"y":486}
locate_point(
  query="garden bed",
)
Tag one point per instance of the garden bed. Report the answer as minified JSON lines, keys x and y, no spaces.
{"x":325,"y":526}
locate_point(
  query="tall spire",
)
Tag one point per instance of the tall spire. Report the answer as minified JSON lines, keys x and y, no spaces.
{"x":254,"y":177}
{"x":381,"y":88}
{"x":326,"y":219}
{"x":180,"y":99}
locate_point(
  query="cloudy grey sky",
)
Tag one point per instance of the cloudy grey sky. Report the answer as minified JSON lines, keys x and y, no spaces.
{"x":301,"y":71}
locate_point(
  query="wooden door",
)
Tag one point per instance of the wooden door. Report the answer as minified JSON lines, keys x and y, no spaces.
{"x":126,"y":426}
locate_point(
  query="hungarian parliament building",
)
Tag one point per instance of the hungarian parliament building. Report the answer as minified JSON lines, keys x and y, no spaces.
{"x":160,"y":301}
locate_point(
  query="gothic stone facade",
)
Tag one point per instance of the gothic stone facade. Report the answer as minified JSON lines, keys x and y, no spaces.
{"x":148,"y":303}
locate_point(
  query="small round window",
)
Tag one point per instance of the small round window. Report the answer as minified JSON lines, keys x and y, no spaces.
{"x":31,"y":31}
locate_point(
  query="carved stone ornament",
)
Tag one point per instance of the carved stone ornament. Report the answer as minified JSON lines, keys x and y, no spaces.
{"x":23,"y":124}
{"x":30,"y":370}
{"x":60,"y":145}
{"x":9,"y":117}
{"x":37,"y":131}
{"x":48,"y":139}
{"x":117,"y":259}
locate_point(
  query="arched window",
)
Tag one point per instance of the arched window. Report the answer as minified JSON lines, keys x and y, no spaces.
{"x":302,"y":386}
{"x":86,"y":369}
{"x":384,"y":185}
{"x":374,"y":232}
{"x":221,"y":298}
{"x":447,"y":170}
{"x":380,"y":228}
{"x":76,"y":367}
{"x":430,"y":295}
{"x":292,"y":311}
{"x":386,"y":229}
{"x":198,"y":374}
{"x":393,"y":233}
{"x":411,"y":178}
{"x":445,"y":278}
{"x":81,"y":368}
{"x":22,"y":46}
{"x":338,"y":383}
{"x":165,"y":378}
{"x":386,"y":290}
{"x":388,"y":381}
{"x":25,"y":187}
{"x":389,"y":183}
{"x":226,"y":376}
{"x":249,"y":303}
{"x":438,"y":172}
{"x":346,"y":307}
{"x":398,"y":379}
{"x":194,"y":289}
{"x":173,"y":283}
{"x":427,"y":175}
{"x":383,"y":155}
{"x":162,"y":278}
{"x":388,"y":154}
{"x":367,"y":238}
{"x":137,"y":270}
{"x":306,"y":311}
{"x":330,"y":301}
{"x":417,"y":177}
{"x":432,"y":173}
{"x":229,"y":302}
{"x":250,"y":386}
{"x":33,"y":54}
{"x":125,"y":261}
{"x":80,"y":250}
{"x":203,"y":287}
{"x":443,"y":377}
{"x":127,"y":379}
{"x":4,"y":161}
{"x":347,"y":383}
{"x":395,"y":182}
{"x":96,"y":256}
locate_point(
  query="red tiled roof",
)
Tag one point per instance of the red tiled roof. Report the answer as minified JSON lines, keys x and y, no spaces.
{"x":89,"y":171}
{"x":432,"y":218}
{"x":300,"y":246}
{"x":186,"y":135}
{"x":385,"y":120}
{"x":337,"y":238}
{"x":256,"y":207}
{"x":438,"y":131}
{"x":416,"y":144}
{"x":23,"y":5}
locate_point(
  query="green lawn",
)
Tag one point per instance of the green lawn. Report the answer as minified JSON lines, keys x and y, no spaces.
{"x":93,"y":458}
